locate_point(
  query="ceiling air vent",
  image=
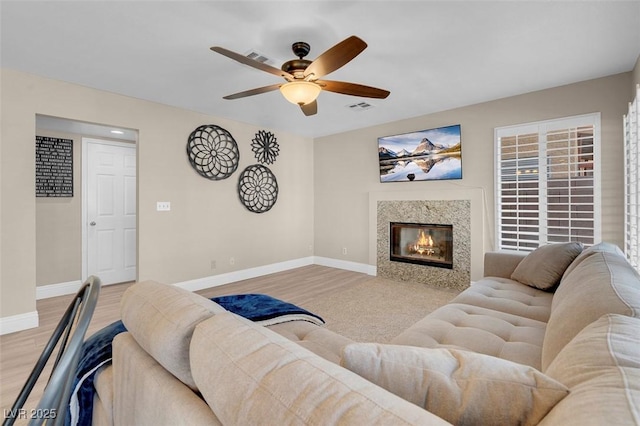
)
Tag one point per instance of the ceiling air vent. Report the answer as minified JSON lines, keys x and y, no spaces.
{"x":360,"y":106}
{"x":252,"y":54}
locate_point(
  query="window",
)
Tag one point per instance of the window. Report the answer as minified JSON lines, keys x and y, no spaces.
{"x":548,"y":183}
{"x":632,"y":183}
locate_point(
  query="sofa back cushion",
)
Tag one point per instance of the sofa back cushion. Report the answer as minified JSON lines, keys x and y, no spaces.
{"x":162,"y":318}
{"x":603,"y":247}
{"x":601,"y":366}
{"x":146,"y":394}
{"x":543,"y":268}
{"x":602,"y":282}
{"x":462,"y":387}
{"x":249,"y":374}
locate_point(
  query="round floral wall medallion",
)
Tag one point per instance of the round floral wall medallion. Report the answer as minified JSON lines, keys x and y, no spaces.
{"x":213,"y":152}
{"x":257,"y":188}
{"x":265,"y":147}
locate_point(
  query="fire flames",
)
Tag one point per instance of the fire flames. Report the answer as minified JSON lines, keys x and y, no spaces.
{"x":424,"y":244}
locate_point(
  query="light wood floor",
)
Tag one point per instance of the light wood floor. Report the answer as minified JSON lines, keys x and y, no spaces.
{"x":20,"y":351}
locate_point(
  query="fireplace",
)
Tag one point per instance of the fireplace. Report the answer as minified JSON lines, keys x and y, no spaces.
{"x":454,"y":212}
{"x":422,"y":244}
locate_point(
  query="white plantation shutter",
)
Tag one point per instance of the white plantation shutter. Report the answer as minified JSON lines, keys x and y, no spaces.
{"x":518,"y":191}
{"x":548,"y":183}
{"x":632,"y":182}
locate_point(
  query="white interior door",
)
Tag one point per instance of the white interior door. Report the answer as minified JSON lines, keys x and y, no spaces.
{"x":111,"y":211}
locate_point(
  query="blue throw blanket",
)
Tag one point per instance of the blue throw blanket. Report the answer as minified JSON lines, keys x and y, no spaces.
{"x":265,"y":309}
{"x":97,"y":351}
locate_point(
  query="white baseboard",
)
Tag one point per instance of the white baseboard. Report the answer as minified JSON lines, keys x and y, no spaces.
{"x":345,"y":264}
{"x":245,"y":274}
{"x":18,"y":322}
{"x":72,"y":287}
{"x":61,"y":289}
{"x":55,"y":290}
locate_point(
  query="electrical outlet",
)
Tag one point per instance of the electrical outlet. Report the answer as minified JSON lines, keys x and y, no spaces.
{"x":232,"y":261}
{"x":213,"y":265}
{"x":344,"y":250}
{"x":163,"y":206}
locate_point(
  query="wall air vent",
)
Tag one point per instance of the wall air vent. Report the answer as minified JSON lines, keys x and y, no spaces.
{"x":360,"y":106}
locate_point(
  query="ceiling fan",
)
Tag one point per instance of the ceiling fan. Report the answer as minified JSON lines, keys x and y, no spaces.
{"x":303,"y":84}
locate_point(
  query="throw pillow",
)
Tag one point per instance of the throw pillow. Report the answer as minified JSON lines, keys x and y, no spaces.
{"x":464,"y":388}
{"x":543,"y":268}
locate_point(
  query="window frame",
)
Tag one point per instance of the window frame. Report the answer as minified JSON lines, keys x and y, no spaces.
{"x":543,"y":129}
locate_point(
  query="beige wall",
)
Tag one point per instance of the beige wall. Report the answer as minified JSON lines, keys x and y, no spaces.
{"x":635,"y":80}
{"x":207,"y":221}
{"x":343,"y":182}
{"x":323,"y":199}
{"x":17,"y":217}
{"x":58,"y":226}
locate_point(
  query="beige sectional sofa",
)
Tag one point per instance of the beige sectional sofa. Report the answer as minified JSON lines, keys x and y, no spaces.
{"x":504,"y":351}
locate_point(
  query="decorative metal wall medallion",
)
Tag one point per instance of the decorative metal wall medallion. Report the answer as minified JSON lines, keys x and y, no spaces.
{"x":257,"y":188}
{"x":265,"y":147}
{"x":213,"y":152}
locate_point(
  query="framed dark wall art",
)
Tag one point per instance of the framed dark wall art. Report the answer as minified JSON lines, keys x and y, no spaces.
{"x":433,"y":154}
{"x":54,"y":167}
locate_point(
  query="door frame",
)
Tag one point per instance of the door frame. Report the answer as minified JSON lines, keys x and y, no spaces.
{"x":85,"y":173}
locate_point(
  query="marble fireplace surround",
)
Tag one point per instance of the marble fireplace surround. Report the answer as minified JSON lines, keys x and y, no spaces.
{"x":464,"y":208}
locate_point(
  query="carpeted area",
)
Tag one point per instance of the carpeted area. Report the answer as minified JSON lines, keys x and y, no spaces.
{"x":379,"y":309}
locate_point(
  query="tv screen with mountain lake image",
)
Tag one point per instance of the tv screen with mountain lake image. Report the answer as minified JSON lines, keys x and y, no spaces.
{"x":433,"y":154}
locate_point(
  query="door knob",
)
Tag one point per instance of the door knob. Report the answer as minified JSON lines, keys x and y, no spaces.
{"x":92,"y":223}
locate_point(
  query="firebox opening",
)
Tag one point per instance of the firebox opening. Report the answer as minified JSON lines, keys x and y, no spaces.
{"x":420,"y":243}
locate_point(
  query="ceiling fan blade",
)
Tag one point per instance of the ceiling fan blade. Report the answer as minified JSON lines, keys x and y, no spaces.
{"x":251,"y":62}
{"x":353,"y":89}
{"x":252,"y":92}
{"x":335,"y":57}
{"x":310,"y":108}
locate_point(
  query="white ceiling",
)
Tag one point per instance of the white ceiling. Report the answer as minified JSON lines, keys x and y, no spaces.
{"x":431,"y":55}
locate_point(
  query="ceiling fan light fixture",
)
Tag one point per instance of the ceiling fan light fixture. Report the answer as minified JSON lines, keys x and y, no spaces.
{"x":300,"y":92}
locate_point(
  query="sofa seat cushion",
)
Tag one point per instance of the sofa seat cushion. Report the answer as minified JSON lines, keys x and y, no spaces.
{"x":103,"y":399}
{"x":162,"y":318}
{"x":260,"y":377}
{"x":602,"y":282}
{"x":462,"y":387}
{"x":509,"y":296}
{"x":601,"y":366}
{"x":318,"y":340}
{"x":100,"y":415}
{"x":478,"y":329}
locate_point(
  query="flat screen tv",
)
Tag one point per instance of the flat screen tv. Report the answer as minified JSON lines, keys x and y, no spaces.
{"x":433,"y":154}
